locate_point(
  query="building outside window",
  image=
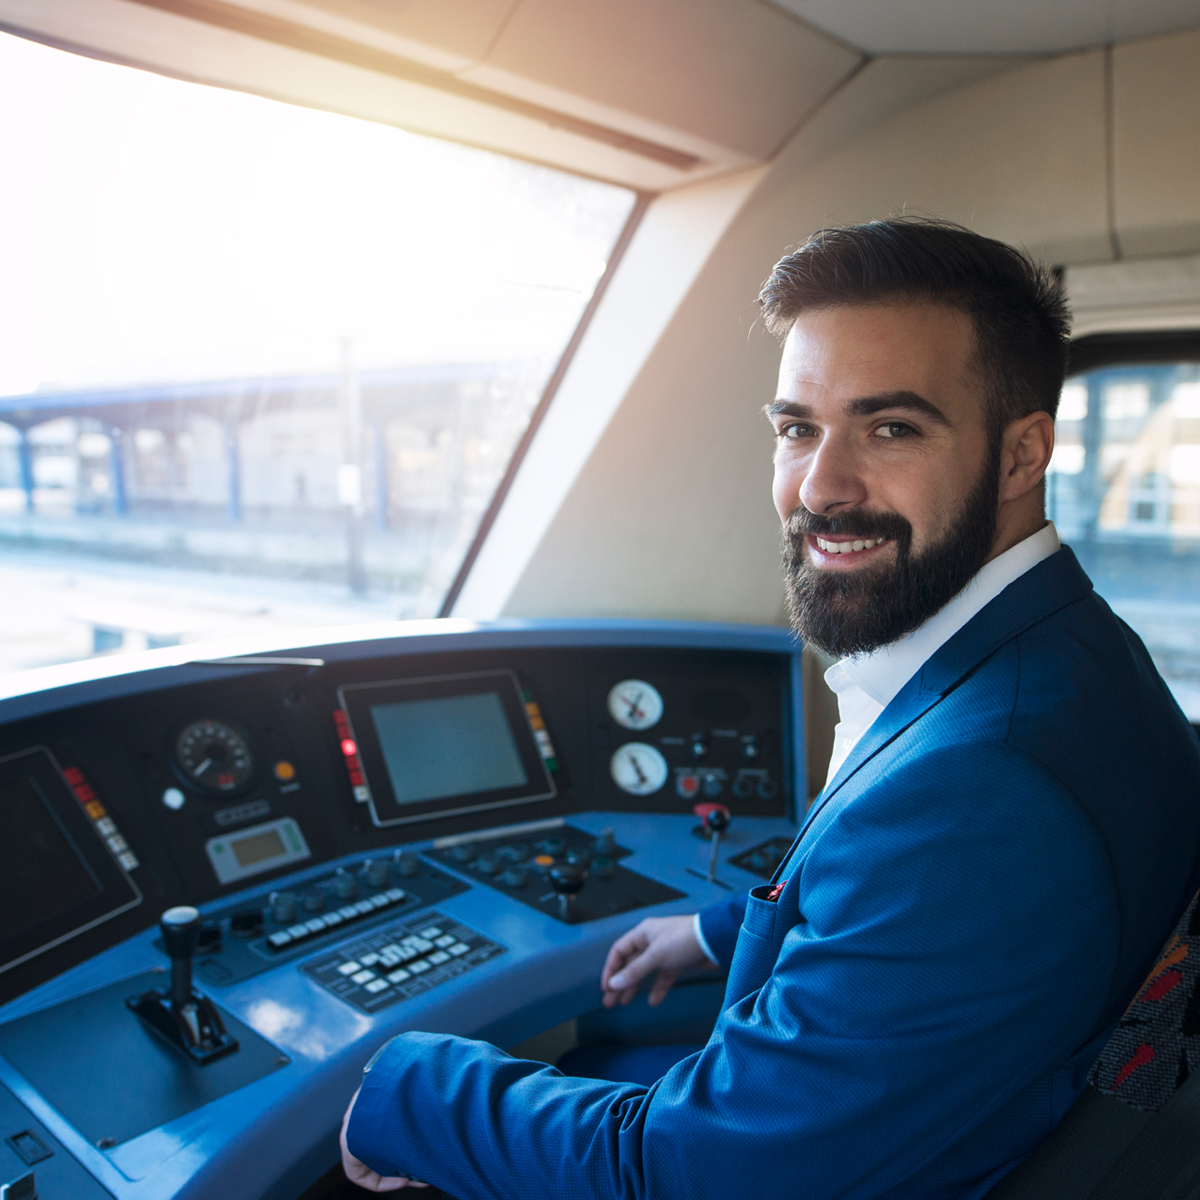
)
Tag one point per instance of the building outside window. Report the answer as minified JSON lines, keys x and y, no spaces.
{"x":261,"y":367}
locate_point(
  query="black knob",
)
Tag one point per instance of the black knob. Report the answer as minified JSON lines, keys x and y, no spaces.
{"x":750,"y":748}
{"x":246,"y":923}
{"x":579,"y":856}
{"x":606,"y":843}
{"x":344,"y":887}
{"x":553,"y":846}
{"x":180,"y":931}
{"x":488,"y":864}
{"x":514,"y":853}
{"x":515,"y":876}
{"x":743,"y":786}
{"x":375,"y":870}
{"x":603,"y":868}
{"x":463,"y":852}
{"x":568,"y":879}
{"x":699,"y":746}
{"x":405,"y":866}
{"x":313,"y":901}
{"x":283,"y":907}
{"x":718,"y":820}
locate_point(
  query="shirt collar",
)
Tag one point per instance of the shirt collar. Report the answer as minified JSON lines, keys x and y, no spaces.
{"x":882,"y":673}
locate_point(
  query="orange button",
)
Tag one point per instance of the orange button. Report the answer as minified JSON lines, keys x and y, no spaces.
{"x":544,"y":860}
{"x":284,"y":770}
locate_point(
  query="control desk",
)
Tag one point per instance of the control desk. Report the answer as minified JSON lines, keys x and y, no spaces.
{"x":228,"y":875}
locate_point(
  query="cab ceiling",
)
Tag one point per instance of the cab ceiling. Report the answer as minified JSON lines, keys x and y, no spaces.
{"x":1010,"y":27}
{"x":653,"y":94}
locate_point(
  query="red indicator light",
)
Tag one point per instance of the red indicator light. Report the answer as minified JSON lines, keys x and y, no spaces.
{"x":349,"y":749}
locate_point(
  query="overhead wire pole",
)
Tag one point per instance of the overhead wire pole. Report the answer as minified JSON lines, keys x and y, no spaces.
{"x":350,"y":489}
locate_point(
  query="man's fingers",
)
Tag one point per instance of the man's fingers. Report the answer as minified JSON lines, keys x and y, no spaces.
{"x":634,"y":971}
{"x":662,"y":985}
{"x":621,"y":951}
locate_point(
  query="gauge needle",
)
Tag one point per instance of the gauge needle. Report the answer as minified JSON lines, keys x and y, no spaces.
{"x":202,"y":768}
{"x":634,"y":710}
{"x":637,"y":766}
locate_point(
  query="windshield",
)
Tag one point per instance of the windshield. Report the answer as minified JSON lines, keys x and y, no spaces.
{"x":1124,"y":491}
{"x":262,"y":366}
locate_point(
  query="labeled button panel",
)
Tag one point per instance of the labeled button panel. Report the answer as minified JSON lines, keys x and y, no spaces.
{"x":401,"y":960}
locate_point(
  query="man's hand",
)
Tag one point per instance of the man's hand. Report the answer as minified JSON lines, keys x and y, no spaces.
{"x":665,"y":944}
{"x":361,"y":1174}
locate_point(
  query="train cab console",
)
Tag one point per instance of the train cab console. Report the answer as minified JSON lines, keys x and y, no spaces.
{"x":227,"y":879}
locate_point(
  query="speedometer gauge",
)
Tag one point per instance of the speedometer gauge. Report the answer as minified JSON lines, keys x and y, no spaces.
{"x":214,"y":756}
{"x":639,"y":769}
{"x":635,"y":704}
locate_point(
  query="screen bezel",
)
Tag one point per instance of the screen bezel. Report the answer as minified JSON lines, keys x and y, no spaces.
{"x":357,"y":700}
{"x":118,"y":892}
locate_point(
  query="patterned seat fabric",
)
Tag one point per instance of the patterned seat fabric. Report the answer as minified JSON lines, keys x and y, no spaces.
{"x":1156,"y":1045}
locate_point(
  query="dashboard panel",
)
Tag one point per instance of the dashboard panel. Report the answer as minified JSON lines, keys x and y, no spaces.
{"x":442,"y":829}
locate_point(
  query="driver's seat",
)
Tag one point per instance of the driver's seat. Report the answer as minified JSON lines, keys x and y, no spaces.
{"x":1134,"y":1134}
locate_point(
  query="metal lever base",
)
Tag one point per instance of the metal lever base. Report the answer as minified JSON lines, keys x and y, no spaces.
{"x":195,"y":1028}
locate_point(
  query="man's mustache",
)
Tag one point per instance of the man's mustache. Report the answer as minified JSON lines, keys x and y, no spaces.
{"x":858,"y":523}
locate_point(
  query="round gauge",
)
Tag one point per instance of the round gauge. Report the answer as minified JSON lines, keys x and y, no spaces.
{"x":635,"y":704}
{"x":638,"y":769}
{"x":214,"y":756}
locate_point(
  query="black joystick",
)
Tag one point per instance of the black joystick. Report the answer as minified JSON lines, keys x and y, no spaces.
{"x":187,"y":1021}
{"x":714,"y":821}
{"x":567,"y":880}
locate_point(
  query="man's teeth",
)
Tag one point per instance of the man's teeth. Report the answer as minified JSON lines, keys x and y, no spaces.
{"x":846,"y":547}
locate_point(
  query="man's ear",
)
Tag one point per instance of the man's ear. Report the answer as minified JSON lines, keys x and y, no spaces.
{"x":1025,"y":455}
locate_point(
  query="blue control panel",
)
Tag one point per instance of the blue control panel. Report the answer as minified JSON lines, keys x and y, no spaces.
{"x":454,"y":849}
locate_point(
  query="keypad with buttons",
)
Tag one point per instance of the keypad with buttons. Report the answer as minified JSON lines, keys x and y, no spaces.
{"x":401,"y":960}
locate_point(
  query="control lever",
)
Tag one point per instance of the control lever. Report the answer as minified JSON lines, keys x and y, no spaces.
{"x":714,"y":821}
{"x":717,"y":820}
{"x":567,"y":880}
{"x":189,"y":1022}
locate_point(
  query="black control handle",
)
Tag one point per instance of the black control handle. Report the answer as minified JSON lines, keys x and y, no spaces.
{"x":181,"y":934}
{"x":567,"y":880}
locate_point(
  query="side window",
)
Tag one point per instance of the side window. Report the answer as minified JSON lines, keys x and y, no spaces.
{"x":1124,"y":491}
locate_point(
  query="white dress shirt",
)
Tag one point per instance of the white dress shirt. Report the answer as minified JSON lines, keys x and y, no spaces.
{"x":865,"y":685}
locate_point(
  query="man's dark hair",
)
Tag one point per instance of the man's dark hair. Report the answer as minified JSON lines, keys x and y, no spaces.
{"x":1021,"y":320}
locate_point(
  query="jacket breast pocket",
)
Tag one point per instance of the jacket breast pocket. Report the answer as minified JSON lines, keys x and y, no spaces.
{"x":764,"y":927}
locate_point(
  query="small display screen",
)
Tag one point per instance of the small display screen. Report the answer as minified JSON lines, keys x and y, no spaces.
{"x":448,"y":746}
{"x":42,"y":873}
{"x":258,"y":848}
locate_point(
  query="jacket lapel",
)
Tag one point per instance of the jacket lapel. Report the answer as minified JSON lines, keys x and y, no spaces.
{"x":1044,"y":589}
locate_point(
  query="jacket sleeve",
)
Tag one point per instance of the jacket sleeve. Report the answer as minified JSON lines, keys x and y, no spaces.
{"x":956,"y":944}
{"x":720,"y":923}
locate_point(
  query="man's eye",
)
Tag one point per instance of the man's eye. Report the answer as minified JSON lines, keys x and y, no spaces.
{"x":796,"y":431}
{"x":895,"y":429}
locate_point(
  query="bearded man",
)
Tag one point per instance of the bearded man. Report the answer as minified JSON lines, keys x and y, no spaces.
{"x":1008,"y":833}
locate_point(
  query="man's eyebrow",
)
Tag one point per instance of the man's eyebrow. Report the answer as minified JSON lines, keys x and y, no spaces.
{"x":863,"y":406}
{"x":868,"y":406}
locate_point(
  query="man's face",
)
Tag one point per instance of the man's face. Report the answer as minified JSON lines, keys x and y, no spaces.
{"x":884,"y":477}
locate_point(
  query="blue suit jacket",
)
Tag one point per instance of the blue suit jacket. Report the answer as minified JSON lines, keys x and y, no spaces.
{"x":973,"y":901}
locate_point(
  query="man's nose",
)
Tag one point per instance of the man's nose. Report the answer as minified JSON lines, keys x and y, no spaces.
{"x":834,"y":479}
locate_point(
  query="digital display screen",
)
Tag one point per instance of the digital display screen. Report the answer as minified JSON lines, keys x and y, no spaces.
{"x":42,"y":874}
{"x":447,"y":746}
{"x":258,"y":848}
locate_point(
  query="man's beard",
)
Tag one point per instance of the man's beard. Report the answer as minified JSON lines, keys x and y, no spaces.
{"x":845,"y":612}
